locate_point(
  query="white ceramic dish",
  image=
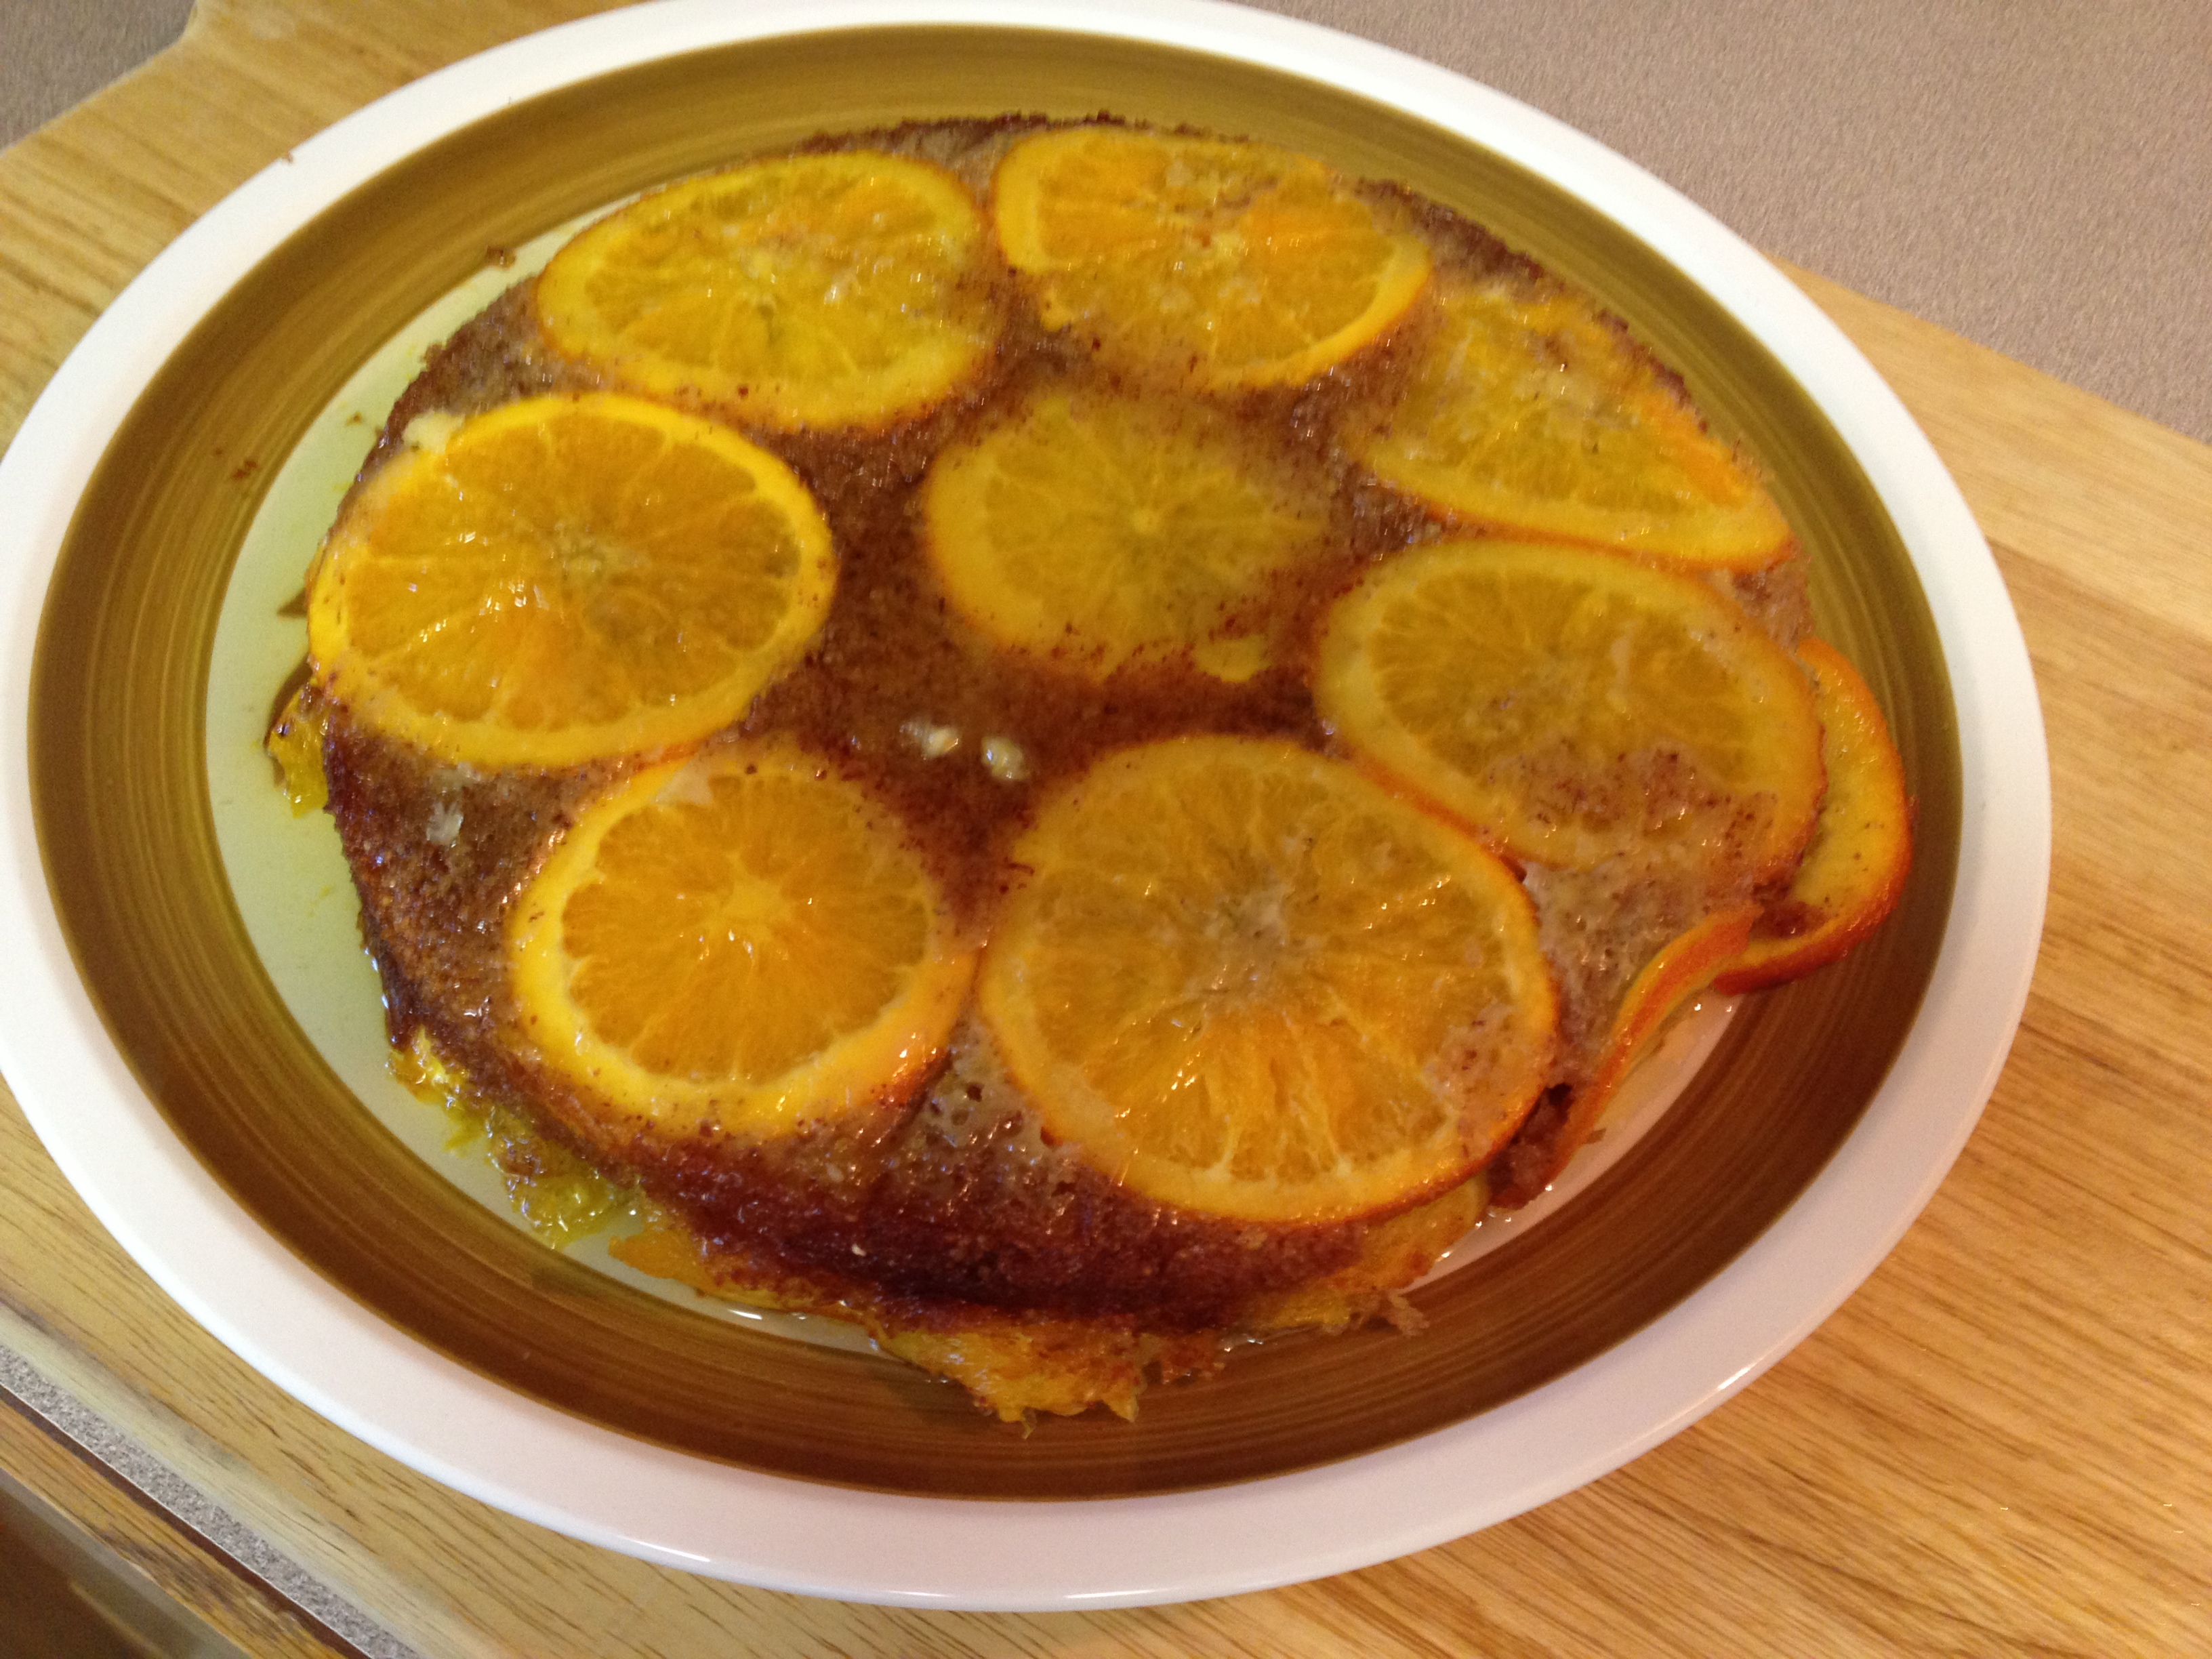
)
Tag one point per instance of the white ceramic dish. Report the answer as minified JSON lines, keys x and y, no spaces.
{"x":613,"y":1490}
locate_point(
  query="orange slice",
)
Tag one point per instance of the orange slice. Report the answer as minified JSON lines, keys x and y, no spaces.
{"x":567,"y":578}
{"x":1247,"y":981}
{"x":742,"y":940}
{"x":1235,"y":264}
{"x":1096,"y":529}
{"x":1855,"y":868}
{"x":1533,"y":414}
{"x":838,"y":290}
{"x":1574,"y":705}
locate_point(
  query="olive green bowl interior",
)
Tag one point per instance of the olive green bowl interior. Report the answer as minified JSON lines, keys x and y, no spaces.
{"x":119,"y":782}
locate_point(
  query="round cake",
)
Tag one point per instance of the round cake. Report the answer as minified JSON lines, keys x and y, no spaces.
{"x":1067,"y":742}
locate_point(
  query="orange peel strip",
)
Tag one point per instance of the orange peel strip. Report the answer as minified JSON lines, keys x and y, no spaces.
{"x":1854,"y":870}
{"x":1681,"y":968}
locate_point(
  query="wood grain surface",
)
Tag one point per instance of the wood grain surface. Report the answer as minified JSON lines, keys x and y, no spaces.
{"x":2002,"y":1445}
{"x":222,"y":1600}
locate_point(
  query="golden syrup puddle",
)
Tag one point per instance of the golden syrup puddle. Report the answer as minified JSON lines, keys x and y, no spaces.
{"x":558,"y":1196}
{"x":294,"y":744}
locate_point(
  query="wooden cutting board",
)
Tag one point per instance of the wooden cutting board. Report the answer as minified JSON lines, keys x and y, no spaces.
{"x":2002,"y":1445}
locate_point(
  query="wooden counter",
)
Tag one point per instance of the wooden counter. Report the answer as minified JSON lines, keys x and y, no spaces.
{"x":2002,"y":1445}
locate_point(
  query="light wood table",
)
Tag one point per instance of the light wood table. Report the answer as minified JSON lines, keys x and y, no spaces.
{"x":2002,"y":1445}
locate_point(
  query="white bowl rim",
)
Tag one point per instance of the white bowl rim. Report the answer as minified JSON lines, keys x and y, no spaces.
{"x":608,"y":1489}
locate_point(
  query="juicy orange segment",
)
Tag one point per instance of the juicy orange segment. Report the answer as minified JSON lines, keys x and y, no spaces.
{"x":741,"y":940}
{"x":1247,"y":981}
{"x":1096,"y":530}
{"x":839,"y":290}
{"x":1530,"y":413}
{"x":1574,"y":705}
{"x":565,"y":578}
{"x":1855,"y":866}
{"x":1234,"y":264}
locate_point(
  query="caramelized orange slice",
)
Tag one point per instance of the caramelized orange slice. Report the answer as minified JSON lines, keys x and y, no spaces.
{"x":1530,"y":412}
{"x":564,"y":579}
{"x":743,"y":941}
{"x":1247,"y":981}
{"x":1093,"y":531}
{"x":1234,"y":265}
{"x":1854,"y":870}
{"x":1573,"y":705}
{"x":851,"y":289}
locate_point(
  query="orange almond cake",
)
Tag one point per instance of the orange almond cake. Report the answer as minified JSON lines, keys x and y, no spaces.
{"x":1066,"y":742}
